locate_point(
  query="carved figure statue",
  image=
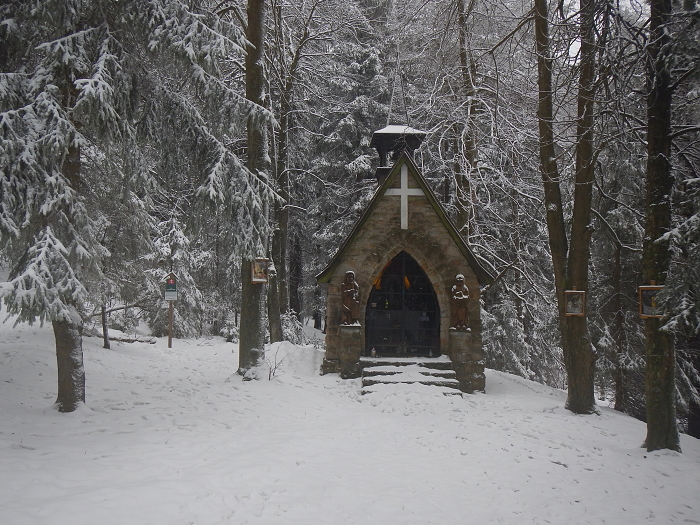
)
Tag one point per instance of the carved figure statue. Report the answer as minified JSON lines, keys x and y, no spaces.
{"x":460,"y":304}
{"x":351,"y":299}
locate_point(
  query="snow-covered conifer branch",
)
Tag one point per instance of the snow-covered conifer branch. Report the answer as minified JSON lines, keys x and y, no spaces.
{"x":46,"y":283}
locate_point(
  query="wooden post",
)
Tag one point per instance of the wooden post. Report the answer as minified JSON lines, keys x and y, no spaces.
{"x":170,"y":324}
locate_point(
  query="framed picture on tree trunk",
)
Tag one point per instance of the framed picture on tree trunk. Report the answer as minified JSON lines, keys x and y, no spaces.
{"x":259,"y":270}
{"x":575,"y":301}
{"x":647,"y":301}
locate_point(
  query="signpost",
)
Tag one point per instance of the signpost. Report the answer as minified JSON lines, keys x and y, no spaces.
{"x":170,"y":296}
{"x":170,"y":288}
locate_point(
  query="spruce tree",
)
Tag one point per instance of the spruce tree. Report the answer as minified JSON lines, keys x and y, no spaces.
{"x":88,"y":91}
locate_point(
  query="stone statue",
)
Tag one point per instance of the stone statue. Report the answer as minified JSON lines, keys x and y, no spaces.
{"x":351,"y":299}
{"x":460,"y":304}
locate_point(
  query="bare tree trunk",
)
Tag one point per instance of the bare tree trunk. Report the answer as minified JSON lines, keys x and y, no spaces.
{"x":105,"y":329}
{"x":288,"y":83}
{"x":467,"y":137}
{"x":621,"y":392}
{"x":68,"y":333}
{"x":694,"y":419}
{"x":69,"y":357}
{"x":558,"y":243}
{"x":252,"y":329}
{"x":662,"y":430}
{"x":571,"y":270}
{"x":273,"y":303}
{"x":251,"y":335}
{"x":280,"y":241}
{"x":275,"y":306}
{"x":578,"y":352}
{"x":295,"y":277}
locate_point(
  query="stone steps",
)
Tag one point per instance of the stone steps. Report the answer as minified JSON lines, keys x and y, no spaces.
{"x":430,"y":372}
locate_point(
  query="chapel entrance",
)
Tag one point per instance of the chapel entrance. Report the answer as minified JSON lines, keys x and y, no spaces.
{"x":402,"y":316}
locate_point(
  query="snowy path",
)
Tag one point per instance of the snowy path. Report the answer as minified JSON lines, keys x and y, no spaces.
{"x":171,"y":437}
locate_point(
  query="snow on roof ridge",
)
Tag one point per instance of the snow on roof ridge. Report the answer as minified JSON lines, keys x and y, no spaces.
{"x":401,"y":130}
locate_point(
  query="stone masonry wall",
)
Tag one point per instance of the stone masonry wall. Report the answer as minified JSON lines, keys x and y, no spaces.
{"x":430,"y":244}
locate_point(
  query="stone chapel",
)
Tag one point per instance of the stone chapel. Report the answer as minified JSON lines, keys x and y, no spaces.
{"x":404,"y":284}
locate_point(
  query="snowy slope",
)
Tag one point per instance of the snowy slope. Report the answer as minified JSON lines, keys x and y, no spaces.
{"x":174,"y":437}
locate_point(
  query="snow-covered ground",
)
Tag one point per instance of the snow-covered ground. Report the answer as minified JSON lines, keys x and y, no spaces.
{"x":172,"y":436}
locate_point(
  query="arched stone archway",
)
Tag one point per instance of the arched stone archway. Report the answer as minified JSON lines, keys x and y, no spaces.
{"x":425,"y":252}
{"x":402,"y":314}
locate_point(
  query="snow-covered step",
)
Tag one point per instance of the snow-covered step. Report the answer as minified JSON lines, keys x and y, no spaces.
{"x":407,"y":373}
{"x":424,"y":371}
{"x":406,"y":388}
{"x":438,"y":363}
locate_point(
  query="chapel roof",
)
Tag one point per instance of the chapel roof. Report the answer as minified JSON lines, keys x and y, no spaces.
{"x":482,"y":274}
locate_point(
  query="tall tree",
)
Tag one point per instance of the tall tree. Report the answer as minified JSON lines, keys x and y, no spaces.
{"x":346,"y":96}
{"x":662,"y":430}
{"x":462,"y":63}
{"x":570,"y":261}
{"x":578,"y":351}
{"x":467,"y":137}
{"x":252,"y":330}
{"x":302,"y":33}
{"x":616,"y":331}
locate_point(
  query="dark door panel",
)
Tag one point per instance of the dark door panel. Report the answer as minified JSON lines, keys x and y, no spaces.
{"x":402,"y":316}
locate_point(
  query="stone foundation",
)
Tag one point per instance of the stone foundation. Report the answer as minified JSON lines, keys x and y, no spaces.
{"x":467,"y":360}
{"x":351,"y":346}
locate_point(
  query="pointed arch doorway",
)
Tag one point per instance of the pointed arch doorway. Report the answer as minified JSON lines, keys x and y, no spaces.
{"x":402,"y":317}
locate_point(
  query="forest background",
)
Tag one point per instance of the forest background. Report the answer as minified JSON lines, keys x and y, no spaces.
{"x":124,"y":144}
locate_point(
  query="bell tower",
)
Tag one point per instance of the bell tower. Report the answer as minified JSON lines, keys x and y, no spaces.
{"x":394,"y":138}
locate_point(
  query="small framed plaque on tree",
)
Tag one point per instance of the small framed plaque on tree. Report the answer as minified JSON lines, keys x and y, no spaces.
{"x":259,"y":270}
{"x":575,"y":301}
{"x":647,"y":301}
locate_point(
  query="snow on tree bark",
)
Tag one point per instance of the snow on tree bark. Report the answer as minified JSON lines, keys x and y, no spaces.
{"x":570,"y":265}
{"x":273,"y":305}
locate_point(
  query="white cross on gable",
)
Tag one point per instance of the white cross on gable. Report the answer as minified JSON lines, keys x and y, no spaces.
{"x":404,"y":192}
